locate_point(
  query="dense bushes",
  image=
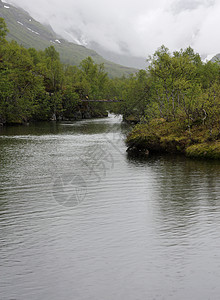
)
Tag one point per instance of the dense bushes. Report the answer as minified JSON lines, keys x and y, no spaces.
{"x":36,"y":85}
{"x":185,"y":93}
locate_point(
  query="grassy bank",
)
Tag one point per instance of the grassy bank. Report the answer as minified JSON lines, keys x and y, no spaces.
{"x":160,"y":136}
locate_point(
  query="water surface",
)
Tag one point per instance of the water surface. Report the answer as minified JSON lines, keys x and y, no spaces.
{"x":81,"y":220}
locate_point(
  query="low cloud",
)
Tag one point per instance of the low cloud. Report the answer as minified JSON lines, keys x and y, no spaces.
{"x":136,"y":27}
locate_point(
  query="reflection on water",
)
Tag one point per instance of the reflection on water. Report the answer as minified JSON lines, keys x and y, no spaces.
{"x":79,"y":219}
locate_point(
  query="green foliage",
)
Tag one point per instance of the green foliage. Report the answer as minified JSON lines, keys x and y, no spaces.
{"x":95,"y":78}
{"x":36,"y":85}
{"x":174,"y":85}
{"x":19,"y":84}
{"x":3,"y":30}
{"x":184,"y":92}
{"x":134,"y":93}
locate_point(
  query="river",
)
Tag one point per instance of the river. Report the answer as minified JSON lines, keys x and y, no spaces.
{"x":79,"y":219}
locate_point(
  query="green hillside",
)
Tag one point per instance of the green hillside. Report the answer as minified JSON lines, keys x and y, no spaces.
{"x":30,"y":33}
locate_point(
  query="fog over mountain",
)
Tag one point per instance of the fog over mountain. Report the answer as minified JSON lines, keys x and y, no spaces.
{"x":132,"y":27}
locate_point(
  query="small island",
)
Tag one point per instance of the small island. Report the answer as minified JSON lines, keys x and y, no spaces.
{"x":179,"y":96}
{"x":160,"y":136}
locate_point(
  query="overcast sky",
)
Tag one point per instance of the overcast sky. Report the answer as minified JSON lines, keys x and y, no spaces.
{"x":138,"y":27}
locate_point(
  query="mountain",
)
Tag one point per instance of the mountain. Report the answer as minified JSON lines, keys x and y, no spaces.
{"x":122,"y":59}
{"x":30,"y":33}
{"x":216,"y":58}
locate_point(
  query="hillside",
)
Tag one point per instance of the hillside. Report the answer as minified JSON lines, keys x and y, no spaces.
{"x":30,"y":33}
{"x":123,"y":59}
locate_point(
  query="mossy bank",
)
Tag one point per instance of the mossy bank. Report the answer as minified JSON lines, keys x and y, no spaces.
{"x":160,"y":136}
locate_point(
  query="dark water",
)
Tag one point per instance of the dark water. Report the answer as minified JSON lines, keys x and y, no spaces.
{"x":81,"y":220}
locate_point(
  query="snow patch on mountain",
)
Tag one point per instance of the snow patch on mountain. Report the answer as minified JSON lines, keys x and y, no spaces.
{"x":208,"y":57}
{"x":32,"y":30}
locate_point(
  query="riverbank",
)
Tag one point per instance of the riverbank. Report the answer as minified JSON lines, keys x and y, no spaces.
{"x":160,"y":136}
{"x":82,"y":113}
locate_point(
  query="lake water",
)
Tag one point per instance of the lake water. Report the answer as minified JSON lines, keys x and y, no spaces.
{"x":81,"y":220}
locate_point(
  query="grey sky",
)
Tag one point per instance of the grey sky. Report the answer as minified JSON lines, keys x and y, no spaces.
{"x":135,"y":26}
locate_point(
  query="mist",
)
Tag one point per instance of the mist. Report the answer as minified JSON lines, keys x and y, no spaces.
{"x":132,"y":27}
